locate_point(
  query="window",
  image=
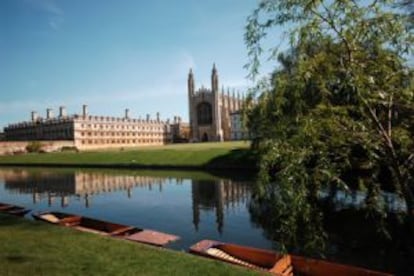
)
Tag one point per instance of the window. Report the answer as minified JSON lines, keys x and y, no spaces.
{"x":204,"y":114}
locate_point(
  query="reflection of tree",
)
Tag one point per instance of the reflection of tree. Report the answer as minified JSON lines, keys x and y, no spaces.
{"x":346,"y":234}
{"x":293,"y":225}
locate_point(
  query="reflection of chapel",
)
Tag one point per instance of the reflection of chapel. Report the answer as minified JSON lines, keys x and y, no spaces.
{"x":210,"y":110}
{"x":219,"y":196}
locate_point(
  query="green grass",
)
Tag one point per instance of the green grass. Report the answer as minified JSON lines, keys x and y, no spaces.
{"x":201,"y":155}
{"x":35,"y":248}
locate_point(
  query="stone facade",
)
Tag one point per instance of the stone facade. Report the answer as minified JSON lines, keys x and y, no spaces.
{"x":238,"y":130}
{"x":180,"y":131}
{"x":91,"y":132}
{"x":209,"y":110}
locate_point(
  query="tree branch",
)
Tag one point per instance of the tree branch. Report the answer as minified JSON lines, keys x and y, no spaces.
{"x":390,"y":104}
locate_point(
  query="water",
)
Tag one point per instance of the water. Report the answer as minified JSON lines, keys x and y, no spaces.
{"x":194,"y":206}
{"x":199,"y":205}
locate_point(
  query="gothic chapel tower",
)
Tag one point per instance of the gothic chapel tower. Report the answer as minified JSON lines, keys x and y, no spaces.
{"x":216,"y":107}
{"x":191,"y":87}
{"x":205,"y":109}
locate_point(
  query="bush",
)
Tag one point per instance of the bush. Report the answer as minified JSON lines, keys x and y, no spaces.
{"x":34,"y":146}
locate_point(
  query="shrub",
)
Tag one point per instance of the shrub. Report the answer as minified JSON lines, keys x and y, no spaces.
{"x":34,"y":146}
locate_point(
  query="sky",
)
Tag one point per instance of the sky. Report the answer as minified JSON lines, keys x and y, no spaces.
{"x":116,"y":54}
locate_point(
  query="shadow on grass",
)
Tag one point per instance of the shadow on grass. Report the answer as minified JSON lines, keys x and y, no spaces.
{"x":236,"y":159}
{"x":20,"y":222}
{"x":18,"y":259}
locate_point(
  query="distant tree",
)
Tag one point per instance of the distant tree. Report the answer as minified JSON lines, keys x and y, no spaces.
{"x":341,"y":102}
{"x":34,"y":147}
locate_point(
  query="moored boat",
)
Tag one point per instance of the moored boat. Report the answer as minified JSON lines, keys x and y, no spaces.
{"x":274,"y":262}
{"x":13,"y":209}
{"x":106,"y":228}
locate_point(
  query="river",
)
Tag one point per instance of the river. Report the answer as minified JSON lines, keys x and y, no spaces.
{"x":193,"y":205}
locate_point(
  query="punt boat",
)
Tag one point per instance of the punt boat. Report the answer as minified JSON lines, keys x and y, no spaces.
{"x":13,"y":209}
{"x":273,"y":262}
{"x":105,"y":228}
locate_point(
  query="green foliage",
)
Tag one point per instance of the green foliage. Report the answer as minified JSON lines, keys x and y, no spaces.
{"x":34,"y":147}
{"x":340,"y":104}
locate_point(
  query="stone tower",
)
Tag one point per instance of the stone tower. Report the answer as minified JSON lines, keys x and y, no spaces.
{"x":209,"y":110}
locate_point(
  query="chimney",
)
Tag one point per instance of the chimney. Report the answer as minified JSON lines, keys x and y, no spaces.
{"x":85,"y":110}
{"x":34,"y":116}
{"x":175,"y":119}
{"x":62,"y":111}
{"x":148,"y":117}
{"x":158,"y":116}
{"x":126,"y":113}
{"x":49,"y":113}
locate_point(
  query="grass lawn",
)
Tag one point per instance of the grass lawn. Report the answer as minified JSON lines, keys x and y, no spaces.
{"x":199,"y":155}
{"x":36,"y":248}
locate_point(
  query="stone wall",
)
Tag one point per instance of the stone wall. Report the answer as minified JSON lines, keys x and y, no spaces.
{"x":12,"y":147}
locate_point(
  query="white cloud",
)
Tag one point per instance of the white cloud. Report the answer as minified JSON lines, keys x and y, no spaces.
{"x":52,"y":9}
{"x":49,"y":6}
{"x":55,"y":22}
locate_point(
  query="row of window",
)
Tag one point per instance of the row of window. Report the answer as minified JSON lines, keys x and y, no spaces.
{"x":115,"y":119}
{"x":122,"y":134}
{"x":121,"y":141}
{"x":116,"y":126}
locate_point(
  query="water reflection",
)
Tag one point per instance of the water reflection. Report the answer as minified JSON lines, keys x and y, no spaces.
{"x":198,"y":206}
{"x":338,"y":225}
{"x":222,"y":194}
{"x":211,"y":195}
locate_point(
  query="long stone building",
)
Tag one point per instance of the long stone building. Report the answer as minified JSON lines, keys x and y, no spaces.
{"x":89,"y":132}
{"x":210,"y":109}
{"x":211,"y":114}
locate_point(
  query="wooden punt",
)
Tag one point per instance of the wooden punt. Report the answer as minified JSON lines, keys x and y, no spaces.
{"x":273,"y":262}
{"x":105,"y":228}
{"x":13,"y":209}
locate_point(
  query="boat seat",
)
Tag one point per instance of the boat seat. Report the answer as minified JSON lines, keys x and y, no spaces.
{"x":121,"y":230}
{"x":51,"y":218}
{"x":283,"y":266}
{"x":227,"y":257}
{"x":89,"y":230}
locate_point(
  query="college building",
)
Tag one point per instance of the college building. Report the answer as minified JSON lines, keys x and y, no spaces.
{"x":91,"y":132}
{"x":214,"y":116}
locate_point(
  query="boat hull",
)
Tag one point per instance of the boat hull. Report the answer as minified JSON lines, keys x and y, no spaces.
{"x":14,"y":210}
{"x":105,"y":228}
{"x":267,"y":260}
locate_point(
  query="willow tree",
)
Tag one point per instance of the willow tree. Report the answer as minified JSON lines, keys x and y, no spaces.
{"x":341,"y":101}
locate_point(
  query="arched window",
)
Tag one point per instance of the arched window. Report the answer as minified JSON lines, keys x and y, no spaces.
{"x":204,"y":114}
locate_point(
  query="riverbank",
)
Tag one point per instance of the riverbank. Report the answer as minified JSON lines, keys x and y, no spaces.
{"x":35,"y":248}
{"x":217,"y":156}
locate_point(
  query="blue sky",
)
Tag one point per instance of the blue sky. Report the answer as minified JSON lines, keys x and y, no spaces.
{"x":114,"y":55}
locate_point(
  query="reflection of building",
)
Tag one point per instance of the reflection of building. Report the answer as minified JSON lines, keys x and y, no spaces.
{"x":210,"y":110}
{"x":88,"y":131}
{"x":218,"y":195}
{"x":210,"y":195}
{"x":83,"y":184}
